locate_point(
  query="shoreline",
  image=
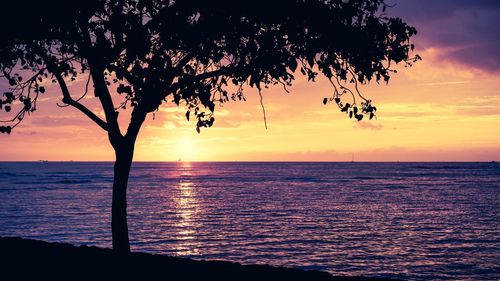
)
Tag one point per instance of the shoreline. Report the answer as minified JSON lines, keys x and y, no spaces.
{"x":26,"y":258}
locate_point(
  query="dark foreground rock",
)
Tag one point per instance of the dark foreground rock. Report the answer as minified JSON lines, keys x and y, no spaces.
{"x":22,"y":259}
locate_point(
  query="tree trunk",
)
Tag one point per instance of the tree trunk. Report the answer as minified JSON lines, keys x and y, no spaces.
{"x":119,"y":227}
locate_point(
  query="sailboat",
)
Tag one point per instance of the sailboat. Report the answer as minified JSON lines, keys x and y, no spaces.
{"x":352,"y":157}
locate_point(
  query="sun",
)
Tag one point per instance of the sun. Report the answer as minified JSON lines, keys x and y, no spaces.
{"x":186,"y":149}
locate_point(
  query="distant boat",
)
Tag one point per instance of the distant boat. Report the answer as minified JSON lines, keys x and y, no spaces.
{"x":43,"y":161}
{"x":352,"y":158}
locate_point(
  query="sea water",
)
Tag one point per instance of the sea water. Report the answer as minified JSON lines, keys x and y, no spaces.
{"x":418,"y":221}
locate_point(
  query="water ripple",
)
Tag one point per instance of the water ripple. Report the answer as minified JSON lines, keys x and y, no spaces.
{"x":418,"y":221}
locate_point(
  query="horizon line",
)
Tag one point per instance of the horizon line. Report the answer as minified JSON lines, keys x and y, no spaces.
{"x":252,"y":161}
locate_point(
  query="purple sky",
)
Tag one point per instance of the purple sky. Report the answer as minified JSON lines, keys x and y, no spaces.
{"x":468,"y":30}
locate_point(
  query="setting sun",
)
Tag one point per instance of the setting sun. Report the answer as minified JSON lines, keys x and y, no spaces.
{"x":186,"y":149}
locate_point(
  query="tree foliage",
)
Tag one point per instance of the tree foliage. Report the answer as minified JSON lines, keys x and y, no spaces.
{"x":196,"y":53}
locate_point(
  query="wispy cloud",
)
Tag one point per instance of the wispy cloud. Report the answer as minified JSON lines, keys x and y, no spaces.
{"x":368,"y":125}
{"x":446,"y":83}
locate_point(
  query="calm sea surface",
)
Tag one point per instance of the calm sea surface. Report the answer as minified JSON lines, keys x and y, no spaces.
{"x":405,"y":220}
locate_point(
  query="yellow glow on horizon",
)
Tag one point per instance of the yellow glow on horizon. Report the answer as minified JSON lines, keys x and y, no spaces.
{"x":186,"y":149}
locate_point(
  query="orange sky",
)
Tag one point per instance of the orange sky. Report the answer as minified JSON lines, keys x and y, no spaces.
{"x":436,"y":111}
{"x":445,"y":108}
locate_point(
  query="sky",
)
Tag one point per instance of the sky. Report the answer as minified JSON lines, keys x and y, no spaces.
{"x":445,"y":108}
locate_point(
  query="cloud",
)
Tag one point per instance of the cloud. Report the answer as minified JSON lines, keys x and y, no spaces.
{"x":53,"y":121}
{"x":446,"y":83}
{"x":467,"y":32}
{"x":223,"y":123}
{"x":435,"y":10}
{"x":476,"y":110}
{"x":368,"y":125}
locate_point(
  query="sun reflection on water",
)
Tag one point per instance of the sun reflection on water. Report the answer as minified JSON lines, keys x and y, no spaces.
{"x":187,"y":209}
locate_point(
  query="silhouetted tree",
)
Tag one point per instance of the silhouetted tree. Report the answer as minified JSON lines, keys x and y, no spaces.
{"x":195,"y":53}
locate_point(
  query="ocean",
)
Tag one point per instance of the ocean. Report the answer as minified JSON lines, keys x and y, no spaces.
{"x":418,"y":221}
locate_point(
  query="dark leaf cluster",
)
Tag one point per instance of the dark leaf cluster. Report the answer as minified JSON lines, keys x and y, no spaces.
{"x":199,"y":54}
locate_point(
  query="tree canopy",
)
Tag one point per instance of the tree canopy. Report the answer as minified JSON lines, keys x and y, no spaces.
{"x":196,"y":53}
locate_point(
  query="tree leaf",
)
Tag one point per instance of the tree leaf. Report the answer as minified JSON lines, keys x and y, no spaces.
{"x":293,"y":64}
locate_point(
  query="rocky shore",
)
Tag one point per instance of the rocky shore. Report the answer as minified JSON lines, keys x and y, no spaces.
{"x":32,"y":259}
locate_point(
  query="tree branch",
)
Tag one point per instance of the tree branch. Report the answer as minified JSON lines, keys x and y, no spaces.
{"x":101,"y":90}
{"x":206,"y":75}
{"x":67,"y":99}
{"x":54,"y":69}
